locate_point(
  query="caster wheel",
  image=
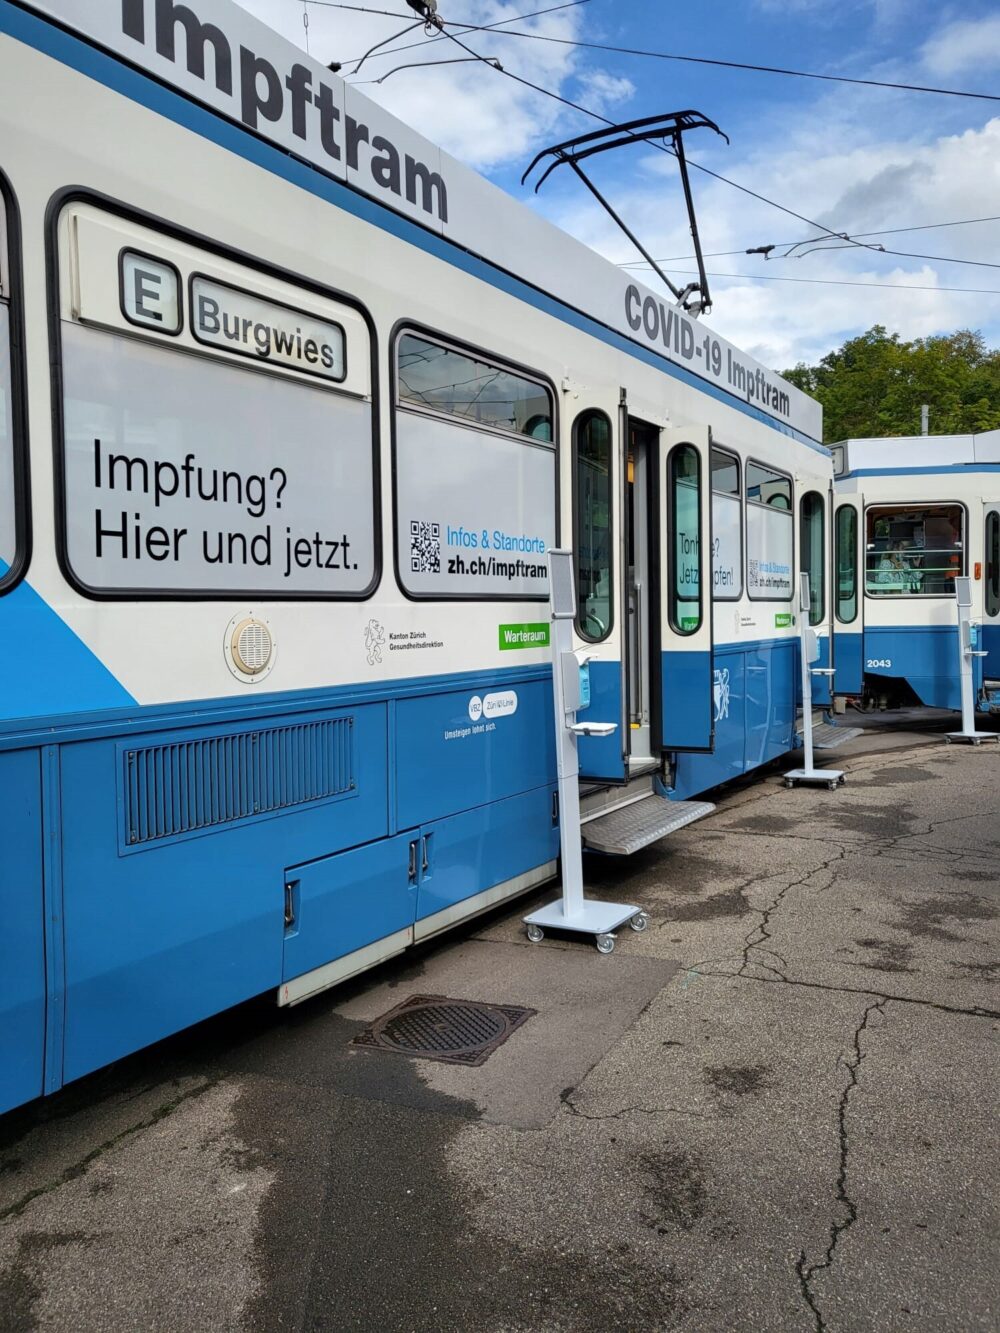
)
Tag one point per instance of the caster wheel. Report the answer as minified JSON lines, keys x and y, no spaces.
{"x":789,"y":784}
{"x":639,"y":922}
{"x":833,"y":785}
{"x":842,"y":782}
{"x":605,"y":943}
{"x":535,"y":934}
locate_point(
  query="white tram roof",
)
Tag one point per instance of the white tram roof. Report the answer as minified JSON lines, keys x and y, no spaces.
{"x":926,"y":452}
{"x":461,"y":206}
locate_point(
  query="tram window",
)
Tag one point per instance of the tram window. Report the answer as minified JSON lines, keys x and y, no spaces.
{"x":812,"y":550}
{"x":766,"y":487}
{"x":914,"y":550}
{"x":684,"y":475}
{"x":442,"y":379}
{"x":727,"y":527}
{"x":8,"y":526}
{"x":847,"y":564}
{"x":194,"y":467}
{"x":592,"y":514}
{"x":475,"y":473}
{"x":993,"y":563}
{"x":770,"y":534}
{"x":8,"y":443}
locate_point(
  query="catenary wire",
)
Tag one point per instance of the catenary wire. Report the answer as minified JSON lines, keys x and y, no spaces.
{"x":481,"y":27}
{"x":691,"y":60}
{"x":827,"y":231}
{"x":839,"y":282}
{"x":854,"y":243}
{"x":859,"y":235}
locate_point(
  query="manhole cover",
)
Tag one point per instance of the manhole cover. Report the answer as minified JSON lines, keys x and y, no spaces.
{"x":460,"y":1032}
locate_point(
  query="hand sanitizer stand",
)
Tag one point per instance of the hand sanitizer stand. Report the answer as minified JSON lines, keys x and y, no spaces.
{"x":571,"y":694}
{"x":809,"y":652}
{"x":966,"y":652}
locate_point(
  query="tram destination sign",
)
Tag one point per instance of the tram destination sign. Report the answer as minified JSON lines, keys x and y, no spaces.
{"x":217,"y":54}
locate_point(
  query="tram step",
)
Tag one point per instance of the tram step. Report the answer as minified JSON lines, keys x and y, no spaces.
{"x":630,"y":827}
{"x":827,"y":736}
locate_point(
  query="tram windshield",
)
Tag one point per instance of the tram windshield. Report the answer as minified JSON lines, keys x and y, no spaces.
{"x":914,"y":550}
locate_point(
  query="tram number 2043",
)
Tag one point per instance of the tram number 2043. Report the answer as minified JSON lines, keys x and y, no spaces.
{"x":878,"y":664}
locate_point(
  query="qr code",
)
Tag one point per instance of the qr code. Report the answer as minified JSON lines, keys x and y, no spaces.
{"x":425,"y":547}
{"x":754,"y":572}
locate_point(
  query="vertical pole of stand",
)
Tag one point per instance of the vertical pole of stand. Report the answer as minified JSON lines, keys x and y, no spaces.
{"x":965,"y":660}
{"x":567,"y":764}
{"x":807,"y":712}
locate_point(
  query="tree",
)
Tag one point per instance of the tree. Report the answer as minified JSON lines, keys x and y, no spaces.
{"x":874,"y":385}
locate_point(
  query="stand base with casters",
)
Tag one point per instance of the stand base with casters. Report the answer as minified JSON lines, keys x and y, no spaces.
{"x":972,"y":737}
{"x":597,"y":919}
{"x":816,"y":777}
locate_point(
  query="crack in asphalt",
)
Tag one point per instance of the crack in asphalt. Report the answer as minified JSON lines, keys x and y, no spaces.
{"x":970,"y":1011}
{"x":838,"y":1226}
{"x":567,"y":1101}
{"x":81,"y":1167}
{"x":855,"y":846}
{"x":762,"y":931}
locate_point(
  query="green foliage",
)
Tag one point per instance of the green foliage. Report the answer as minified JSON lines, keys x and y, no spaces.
{"x":875,"y":384}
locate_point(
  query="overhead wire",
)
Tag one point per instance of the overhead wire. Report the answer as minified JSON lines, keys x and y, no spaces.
{"x":887,"y":231}
{"x":853,"y":242}
{"x":692,"y":60}
{"x":841,"y":282}
{"x":470,"y":27}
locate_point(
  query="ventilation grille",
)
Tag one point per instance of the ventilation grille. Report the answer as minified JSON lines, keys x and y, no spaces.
{"x":188,"y":786}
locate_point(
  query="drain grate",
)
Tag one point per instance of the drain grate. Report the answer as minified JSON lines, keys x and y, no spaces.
{"x":459,"y":1032}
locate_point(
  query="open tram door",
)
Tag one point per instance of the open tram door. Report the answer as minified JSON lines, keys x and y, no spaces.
{"x":661,"y":695}
{"x":665,"y":682}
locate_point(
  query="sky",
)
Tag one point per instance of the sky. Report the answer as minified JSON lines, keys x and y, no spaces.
{"x":852,"y":159}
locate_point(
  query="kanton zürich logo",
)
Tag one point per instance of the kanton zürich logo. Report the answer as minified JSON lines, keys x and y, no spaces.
{"x":264,"y":97}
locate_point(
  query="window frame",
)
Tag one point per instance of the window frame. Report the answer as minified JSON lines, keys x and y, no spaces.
{"x":739,"y":498}
{"x":761,"y":504}
{"x":118,"y":208}
{"x":20,"y":447}
{"x":672,"y":598}
{"x":842,"y":620}
{"x":822,"y":549}
{"x":403,"y":327}
{"x":581,"y":420}
{"x":915,"y":504}
{"x":409,"y":325}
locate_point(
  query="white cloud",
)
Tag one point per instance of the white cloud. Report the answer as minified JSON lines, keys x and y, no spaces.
{"x":602,"y":91}
{"x":966,"y":45}
{"x":472,"y":111}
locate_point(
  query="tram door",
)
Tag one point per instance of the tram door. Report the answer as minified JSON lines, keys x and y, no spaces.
{"x":848,"y":602}
{"x":683,"y":709}
{"x":991,"y":593}
{"x":639,"y":478}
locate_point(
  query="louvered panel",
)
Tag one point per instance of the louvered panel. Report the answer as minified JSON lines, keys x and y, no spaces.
{"x":188,"y":786}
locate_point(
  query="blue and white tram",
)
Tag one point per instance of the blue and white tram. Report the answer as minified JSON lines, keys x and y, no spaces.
{"x":292,"y":406}
{"x":911,"y":515}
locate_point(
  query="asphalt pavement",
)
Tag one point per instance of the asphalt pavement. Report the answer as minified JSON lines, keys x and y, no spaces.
{"x":775,"y":1109}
